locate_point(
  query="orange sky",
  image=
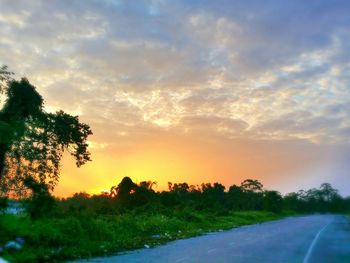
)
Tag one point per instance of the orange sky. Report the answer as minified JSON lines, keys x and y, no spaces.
{"x":184,"y":158}
{"x":195,"y":91}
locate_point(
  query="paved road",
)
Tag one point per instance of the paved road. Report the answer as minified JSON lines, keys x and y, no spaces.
{"x":307,"y":239}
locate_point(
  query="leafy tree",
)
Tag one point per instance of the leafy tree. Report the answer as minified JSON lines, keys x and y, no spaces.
{"x":124,"y":188}
{"x":144,"y":193}
{"x":123,"y":192}
{"x":327,"y":192}
{"x":180,"y":189}
{"x":32,"y":141}
{"x":3,"y":203}
{"x":5,"y":76}
{"x":273,"y":201}
{"x":236,"y":197}
{"x":77,"y":204}
{"x":129,"y":194}
{"x":251,"y":185}
{"x":293,"y":202}
{"x":252,"y":197}
{"x":213,"y":195}
{"x":41,"y":201}
{"x":148,"y":185}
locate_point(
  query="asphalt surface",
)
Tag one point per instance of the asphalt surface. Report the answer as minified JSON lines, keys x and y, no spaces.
{"x":307,"y":239}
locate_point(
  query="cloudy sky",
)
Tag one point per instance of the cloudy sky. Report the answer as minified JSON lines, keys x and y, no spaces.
{"x":195,"y":91}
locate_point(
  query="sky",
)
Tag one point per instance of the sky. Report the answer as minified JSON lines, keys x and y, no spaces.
{"x":192,"y":91}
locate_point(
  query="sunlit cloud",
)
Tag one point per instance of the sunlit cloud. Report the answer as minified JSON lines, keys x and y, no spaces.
{"x":273,"y":72}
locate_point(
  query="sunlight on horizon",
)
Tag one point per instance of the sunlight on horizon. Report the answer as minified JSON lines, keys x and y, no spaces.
{"x":191,"y":91}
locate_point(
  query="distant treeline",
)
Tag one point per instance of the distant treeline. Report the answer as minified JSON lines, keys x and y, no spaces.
{"x":131,"y":215}
{"x":248,"y":196}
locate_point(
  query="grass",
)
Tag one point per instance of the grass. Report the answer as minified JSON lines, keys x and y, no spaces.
{"x":58,"y":239}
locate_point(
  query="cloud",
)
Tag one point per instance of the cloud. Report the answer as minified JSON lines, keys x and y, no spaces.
{"x":256,"y":70}
{"x":236,"y":88}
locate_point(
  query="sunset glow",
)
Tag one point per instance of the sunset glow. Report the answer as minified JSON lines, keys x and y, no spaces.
{"x":192,"y":91}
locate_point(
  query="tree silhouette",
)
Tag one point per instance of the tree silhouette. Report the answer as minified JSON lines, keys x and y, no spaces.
{"x":32,"y":141}
{"x":213,"y":195}
{"x":147,"y":184}
{"x":251,"y":185}
{"x":236,"y":198}
{"x":273,"y":201}
{"x":5,"y":76}
{"x":41,"y":201}
{"x":144,"y":193}
{"x":128,"y":194}
{"x":124,"y":188}
{"x":327,"y":192}
{"x":252,"y":194}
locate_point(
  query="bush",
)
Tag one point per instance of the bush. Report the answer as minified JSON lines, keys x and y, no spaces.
{"x":3,"y":203}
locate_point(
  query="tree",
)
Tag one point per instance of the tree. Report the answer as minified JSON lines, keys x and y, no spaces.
{"x":124,"y":188}
{"x":251,"y":185}
{"x":293,"y":202}
{"x":236,"y":197}
{"x":5,"y":76}
{"x":32,"y":141}
{"x":144,"y":193}
{"x":41,"y":201}
{"x":129,"y":194}
{"x":273,"y":201}
{"x":327,"y":192}
{"x":253,"y":194}
{"x":213,"y":195}
{"x":148,"y":185}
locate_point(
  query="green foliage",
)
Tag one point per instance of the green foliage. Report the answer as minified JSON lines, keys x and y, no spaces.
{"x":324,"y":199}
{"x":32,"y":141}
{"x":207,"y":197}
{"x":41,"y":202}
{"x":5,"y":76}
{"x":3,"y":203}
{"x":131,"y":195}
{"x":86,"y":226}
{"x":50,"y":239}
{"x":273,"y":201}
{"x":251,"y":185}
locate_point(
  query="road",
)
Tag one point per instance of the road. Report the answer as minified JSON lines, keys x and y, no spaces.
{"x":306,"y":239}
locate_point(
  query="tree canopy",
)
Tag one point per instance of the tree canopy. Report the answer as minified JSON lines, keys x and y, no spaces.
{"x":5,"y":76}
{"x":252,"y":185}
{"x":32,"y":141}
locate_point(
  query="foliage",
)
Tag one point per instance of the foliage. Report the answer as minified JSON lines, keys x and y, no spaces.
{"x":134,"y":215}
{"x":64,"y":238}
{"x":5,"y":76}
{"x":41,"y":201}
{"x":32,"y":141}
{"x":324,"y":199}
{"x":3,"y":203}
{"x":250,"y":185}
{"x":273,"y":201}
{"x":129,"y":196}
